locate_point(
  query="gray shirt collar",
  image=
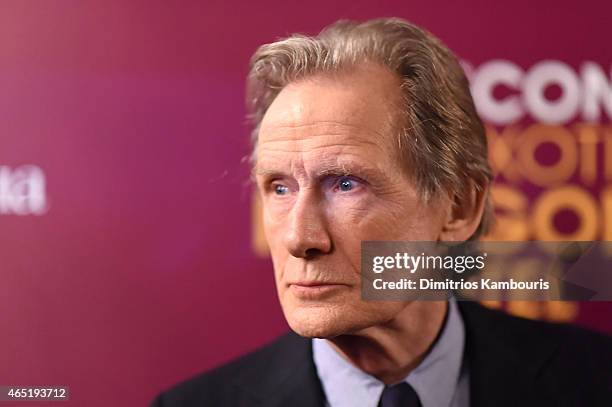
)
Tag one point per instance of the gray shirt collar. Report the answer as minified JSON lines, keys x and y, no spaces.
{"x":435,"y":380}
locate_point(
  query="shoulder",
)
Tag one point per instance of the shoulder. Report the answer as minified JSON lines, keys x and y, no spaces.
{"x":522,"y":332}
{"x":241,"y":381}
{"x":558,"y":360}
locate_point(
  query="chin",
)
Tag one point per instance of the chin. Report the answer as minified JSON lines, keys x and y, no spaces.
{"x":325,"y":321}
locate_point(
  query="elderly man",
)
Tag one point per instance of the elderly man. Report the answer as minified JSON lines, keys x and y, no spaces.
{"x":368,"y":132}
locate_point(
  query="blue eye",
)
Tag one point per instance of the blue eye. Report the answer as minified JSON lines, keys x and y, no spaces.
{"x":280,"y":189}
{"x":346,"y":184}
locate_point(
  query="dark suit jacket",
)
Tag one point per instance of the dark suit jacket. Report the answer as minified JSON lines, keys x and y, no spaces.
{"x":511,"y":361}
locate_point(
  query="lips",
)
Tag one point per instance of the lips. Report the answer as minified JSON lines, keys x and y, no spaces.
{"x":312,"y":283}
{"x":313,"y":290}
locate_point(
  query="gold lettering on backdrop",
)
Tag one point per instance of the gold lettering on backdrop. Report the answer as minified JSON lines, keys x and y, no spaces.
{"x":607,"y":137}
{"x":511,"y":217}
{"x":556,"y":311}
{"x":578,"y":200}
{"x":512,"y":154}
{"x":584,"y":160}
{"x":585,"y":150}
{"x":606,"y":204}
{"x":553,"y":174}
{"x":588,"y":139}
{"x":501,"y":147}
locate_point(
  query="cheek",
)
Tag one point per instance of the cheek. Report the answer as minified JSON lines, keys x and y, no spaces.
{"x":348,"y":222}
{"x":367,"y":220}
{"x":353,"y":222}
{"x":346,"y":212}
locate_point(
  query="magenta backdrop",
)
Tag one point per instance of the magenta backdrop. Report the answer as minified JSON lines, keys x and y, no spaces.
{"x":141,"y":272}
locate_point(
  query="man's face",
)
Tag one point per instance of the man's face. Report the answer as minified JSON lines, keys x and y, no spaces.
{"x":328,"y":173}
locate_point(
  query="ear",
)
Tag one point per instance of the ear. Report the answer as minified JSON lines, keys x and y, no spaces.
{"x":464,"y":215}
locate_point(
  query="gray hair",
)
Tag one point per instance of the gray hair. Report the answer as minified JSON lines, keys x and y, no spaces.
{"x":441,"y":135}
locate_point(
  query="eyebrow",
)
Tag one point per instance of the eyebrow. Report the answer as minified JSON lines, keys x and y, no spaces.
{"x":330,"y":169}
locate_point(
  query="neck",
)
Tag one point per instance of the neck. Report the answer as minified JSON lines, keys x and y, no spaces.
{"x":390,"y":351}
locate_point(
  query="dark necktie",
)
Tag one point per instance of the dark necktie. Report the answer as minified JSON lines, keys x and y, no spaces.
{"x":399,"y":395}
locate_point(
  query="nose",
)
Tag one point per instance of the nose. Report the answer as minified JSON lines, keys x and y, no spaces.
{"x":307,"y":235}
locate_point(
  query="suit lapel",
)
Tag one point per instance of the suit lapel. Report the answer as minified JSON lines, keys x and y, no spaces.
{"x":302,"y":389}
{"x":287,"y":376}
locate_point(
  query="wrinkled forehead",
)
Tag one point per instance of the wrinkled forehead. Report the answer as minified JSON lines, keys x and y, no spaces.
{"x":362,"y":101}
